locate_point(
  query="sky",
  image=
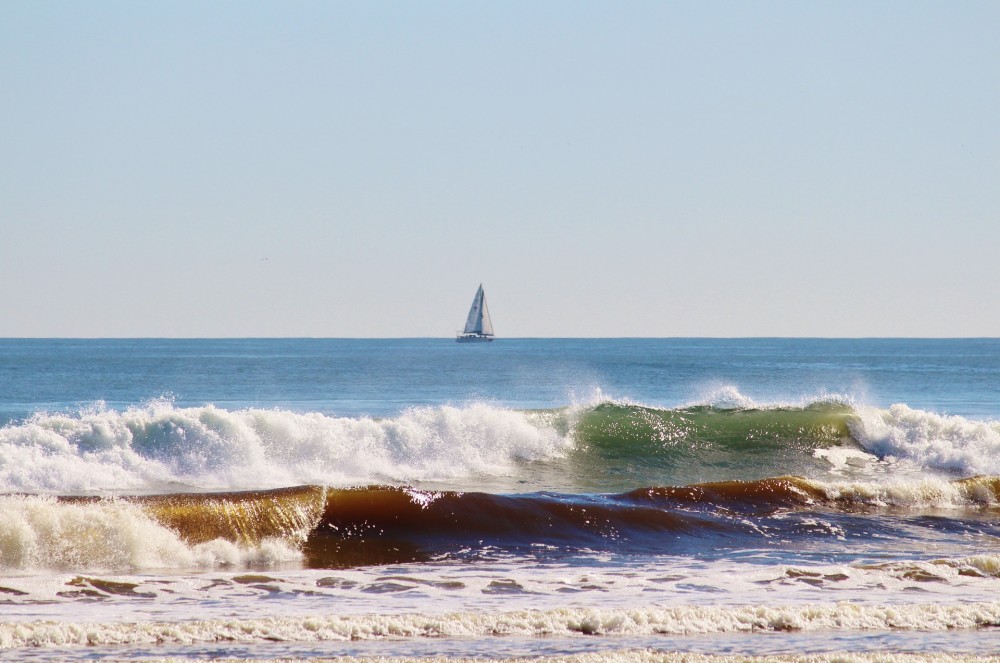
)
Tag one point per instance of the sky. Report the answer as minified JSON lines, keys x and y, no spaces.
{"x":357,"y":169}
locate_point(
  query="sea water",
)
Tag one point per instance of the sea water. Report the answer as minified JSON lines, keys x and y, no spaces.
{"x":579,"y":497}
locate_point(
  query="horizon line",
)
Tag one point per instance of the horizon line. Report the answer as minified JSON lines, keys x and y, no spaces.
{"x":503,"y":338}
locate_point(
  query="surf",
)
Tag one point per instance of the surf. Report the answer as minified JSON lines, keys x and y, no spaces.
{"x":603,"y":446}
{"x":74,"y":533}
{"x":157,"y":446}
{"x":385,"y":524}
{"x":321,"y":527}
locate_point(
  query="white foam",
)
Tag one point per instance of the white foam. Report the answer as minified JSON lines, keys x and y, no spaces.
{"x":844,"y":459}
{"x":929,"y":440}
{"x":921,"y":493}
{"x":658,"y":656}
{"x":647,"y":621}
{"x":158,"y":444}
{"x":41,"y":533}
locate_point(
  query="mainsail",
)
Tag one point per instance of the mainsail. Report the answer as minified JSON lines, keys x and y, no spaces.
{"x":479,"y":322}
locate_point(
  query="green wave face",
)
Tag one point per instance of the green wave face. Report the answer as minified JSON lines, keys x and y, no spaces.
{"x":635,"y":445}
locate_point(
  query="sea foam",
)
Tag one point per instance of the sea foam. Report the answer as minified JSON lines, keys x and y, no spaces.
{"x":157,"y":446}
{"x":928,"y":440}
{"x":677,"y":620}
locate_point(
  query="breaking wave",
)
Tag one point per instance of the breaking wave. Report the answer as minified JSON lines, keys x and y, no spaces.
{"x":929,"y":440}
{"x":338,"y":528}
{"x":160,"y":447}
{"x":606,"y":446}
{"x":169,"y":531}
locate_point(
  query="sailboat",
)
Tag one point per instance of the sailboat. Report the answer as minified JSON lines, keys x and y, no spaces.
{"x":478,"y":327}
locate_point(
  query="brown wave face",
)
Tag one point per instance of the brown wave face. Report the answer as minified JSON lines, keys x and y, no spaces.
{"x":764,"y":494}
{"x":244,"y":517}
{"x":382,"y":524}
{"x":984,"y":490}
{"x":337,"y":528}
{"x":388,"y":511}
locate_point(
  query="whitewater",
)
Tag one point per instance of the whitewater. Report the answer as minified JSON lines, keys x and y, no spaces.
{"x":157,"y":445}
{"x":262,"y":499}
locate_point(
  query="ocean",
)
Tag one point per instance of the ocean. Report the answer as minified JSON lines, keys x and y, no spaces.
{"x":584,"y":499}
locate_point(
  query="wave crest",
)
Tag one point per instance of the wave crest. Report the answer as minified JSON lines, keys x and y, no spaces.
{"x":929,"y":440}
{"x":610,"y":445}
{"x":157,"y":446}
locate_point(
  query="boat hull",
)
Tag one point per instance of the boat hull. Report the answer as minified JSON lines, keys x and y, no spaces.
{"x":473,"y":338}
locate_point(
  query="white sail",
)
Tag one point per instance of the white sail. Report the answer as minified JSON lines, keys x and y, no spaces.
{"x":474,"y":323}
{"x":484,"y":317}
{"x":478,"y":324}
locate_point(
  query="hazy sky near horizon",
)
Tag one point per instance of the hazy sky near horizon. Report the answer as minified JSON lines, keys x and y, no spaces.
{"x":604,"y":169}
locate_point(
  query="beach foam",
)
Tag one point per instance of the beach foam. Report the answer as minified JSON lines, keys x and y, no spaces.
{"x":679,"y":620}
{"x":655,"y":656}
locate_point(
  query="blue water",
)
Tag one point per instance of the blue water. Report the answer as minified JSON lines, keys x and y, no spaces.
{"x":350,"y":377}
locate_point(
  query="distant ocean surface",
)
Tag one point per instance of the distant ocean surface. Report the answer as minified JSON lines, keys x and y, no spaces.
{"x":629,"y":498}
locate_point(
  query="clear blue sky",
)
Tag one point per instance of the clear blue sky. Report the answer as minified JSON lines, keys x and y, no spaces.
{"x":605,"y":169}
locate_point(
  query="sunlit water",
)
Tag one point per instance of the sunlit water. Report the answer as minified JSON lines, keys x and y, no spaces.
{"x":515,"y":498}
